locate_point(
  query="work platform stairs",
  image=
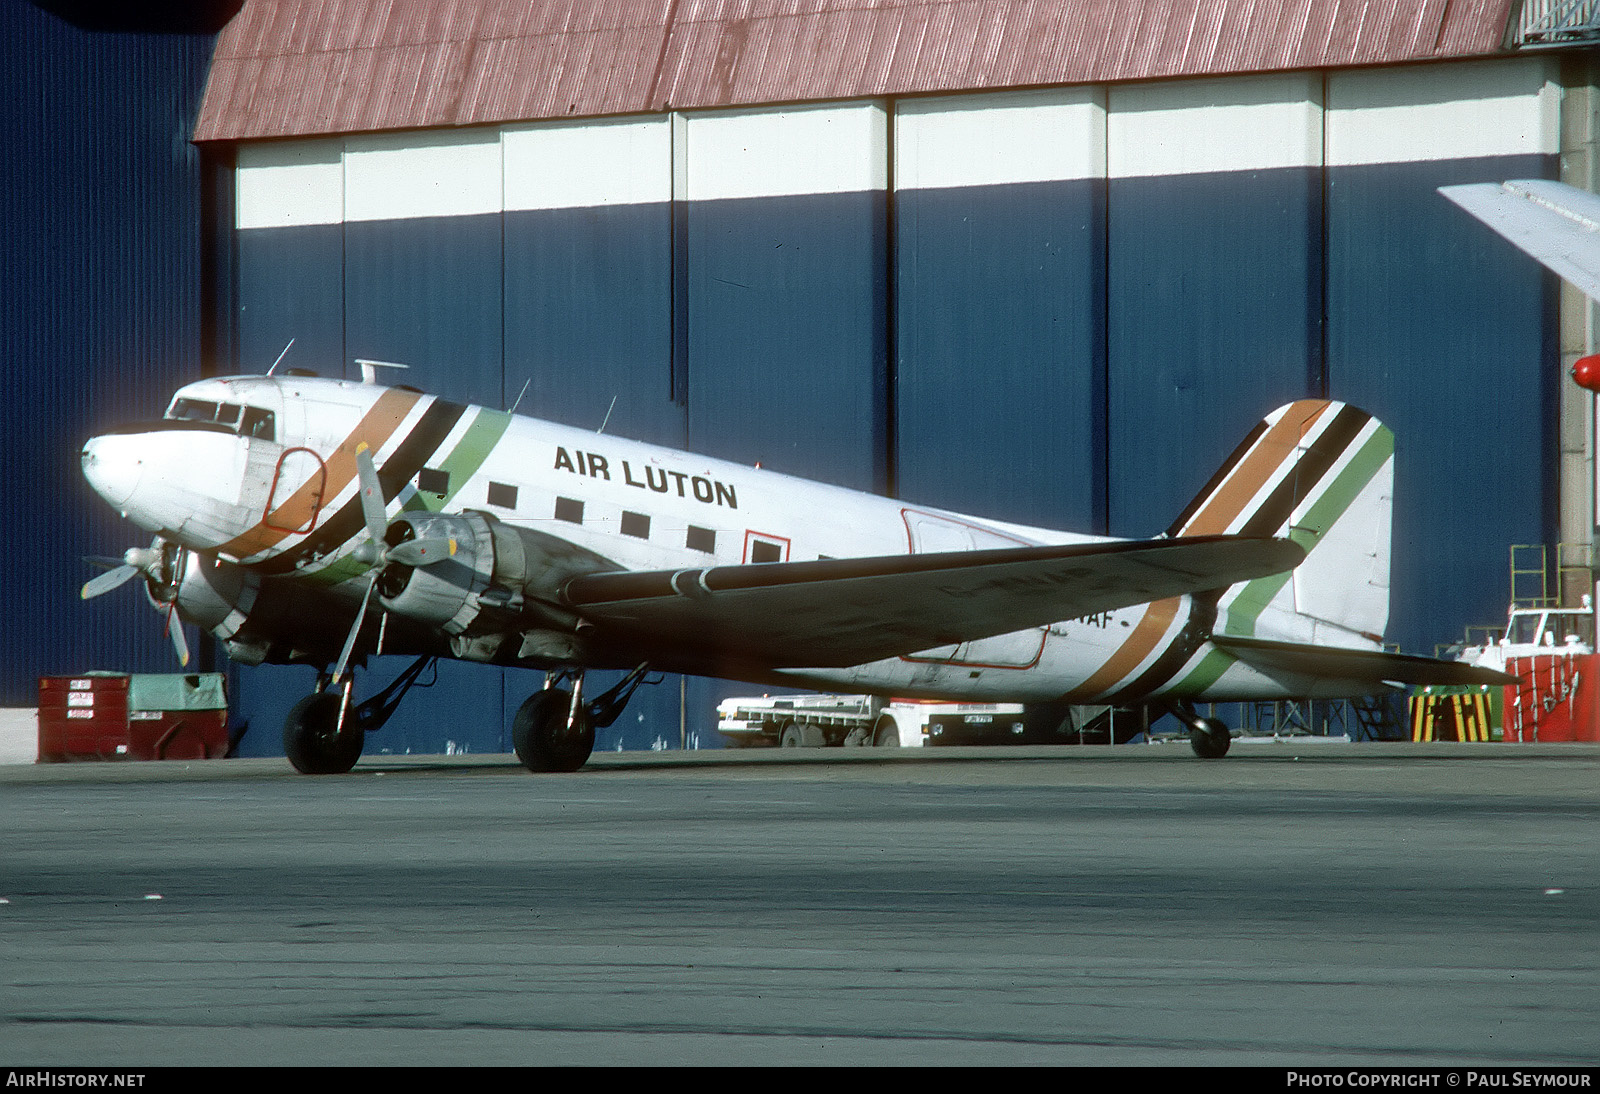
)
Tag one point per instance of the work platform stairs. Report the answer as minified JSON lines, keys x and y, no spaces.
{"x":1557,"y":22}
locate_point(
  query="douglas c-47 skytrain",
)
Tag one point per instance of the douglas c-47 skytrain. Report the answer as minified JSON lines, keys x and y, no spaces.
{"x":315,"y":521}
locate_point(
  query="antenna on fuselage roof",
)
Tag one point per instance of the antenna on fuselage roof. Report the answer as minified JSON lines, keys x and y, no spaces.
{"x":607,"y":418}
{"x":520,"y":394}
{"x":281,"y":356}
{"x":369,"y":369}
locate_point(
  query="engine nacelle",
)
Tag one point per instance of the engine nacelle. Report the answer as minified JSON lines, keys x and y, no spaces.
{"x":495,"y":576}
{"x":257,"y":620}
{"x":216,"y":594}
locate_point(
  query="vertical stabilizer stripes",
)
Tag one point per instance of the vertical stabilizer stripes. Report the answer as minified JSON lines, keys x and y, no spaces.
{"x":1275,"y":446}
{"x":1272,"y":515}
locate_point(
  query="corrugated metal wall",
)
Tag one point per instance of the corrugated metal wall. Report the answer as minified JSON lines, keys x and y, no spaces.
{"x":1444,"y":331}
{"x":101,"y":313}
{"x":999,"y":288}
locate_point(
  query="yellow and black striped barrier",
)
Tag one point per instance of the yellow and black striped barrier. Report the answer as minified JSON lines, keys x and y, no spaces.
{"x":1444,"y":714}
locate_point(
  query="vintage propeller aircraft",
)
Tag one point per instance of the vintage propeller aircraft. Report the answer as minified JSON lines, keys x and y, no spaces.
{"x":318,"y":521}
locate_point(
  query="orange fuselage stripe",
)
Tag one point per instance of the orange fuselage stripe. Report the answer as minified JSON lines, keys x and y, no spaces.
{"x":1146,"y":633}
{"x":301,"y":507}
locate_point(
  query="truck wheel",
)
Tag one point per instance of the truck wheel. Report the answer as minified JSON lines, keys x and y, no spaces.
{"x":888,"y":735}
{"x":796,"y":735}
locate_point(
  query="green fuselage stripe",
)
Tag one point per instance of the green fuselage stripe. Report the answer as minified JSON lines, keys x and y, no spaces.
{"x":464,"y":460}
{"x":1245,"y":610}
{"x":461,"y":464}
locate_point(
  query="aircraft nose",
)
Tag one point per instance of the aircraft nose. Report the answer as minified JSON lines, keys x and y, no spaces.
{"x":112,"y":465}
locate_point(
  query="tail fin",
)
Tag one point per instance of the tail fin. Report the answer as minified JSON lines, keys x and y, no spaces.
{"x":1322,"y":474}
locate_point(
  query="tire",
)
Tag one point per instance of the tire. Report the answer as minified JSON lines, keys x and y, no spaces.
{"x":539,"y":732}
{"x":313,"y":741}
{"x":888,"y":735}
{"x":811,"y":736}
{"x":1210,"y":739}
{"x":793,"y":736}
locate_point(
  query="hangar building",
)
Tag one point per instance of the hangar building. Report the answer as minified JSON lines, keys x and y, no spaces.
{"x":1047,"y":262}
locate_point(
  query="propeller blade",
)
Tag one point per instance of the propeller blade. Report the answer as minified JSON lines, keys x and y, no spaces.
{"x":373,"y":510}
{"x":355,"y":629}
{"x":180,"y":644}
{"x":111,"y":579}
{"x":421,"y":552}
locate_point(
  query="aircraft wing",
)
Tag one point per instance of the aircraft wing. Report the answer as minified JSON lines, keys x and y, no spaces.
{"x":1374,"y":667}
{"x":838,"y":612}
{"x":1555,"y":223}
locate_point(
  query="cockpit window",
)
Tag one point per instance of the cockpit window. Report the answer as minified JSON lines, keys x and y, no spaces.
{"x":258,"y":423}
{"x":193,"y":410}
{"x":247,"y":421}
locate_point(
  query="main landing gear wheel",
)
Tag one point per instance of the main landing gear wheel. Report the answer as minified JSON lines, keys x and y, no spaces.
{"x":313,"y":739}
{"x":543,"y":740}
{"x":1209,"y":738}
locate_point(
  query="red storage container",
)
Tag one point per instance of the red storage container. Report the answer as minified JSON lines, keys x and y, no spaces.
{"x":115,"y":716}
{"x":83,"y":717}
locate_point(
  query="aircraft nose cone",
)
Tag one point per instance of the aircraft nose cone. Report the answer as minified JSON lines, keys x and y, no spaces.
{"x":113,"y":467}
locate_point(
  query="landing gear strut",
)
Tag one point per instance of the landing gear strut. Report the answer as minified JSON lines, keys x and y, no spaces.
{"x":325,"y":731}
{"x":1209,"y":737}
{"x":554,"y":729}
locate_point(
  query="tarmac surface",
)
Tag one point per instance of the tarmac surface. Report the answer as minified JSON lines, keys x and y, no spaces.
{"x":1295,"y":904}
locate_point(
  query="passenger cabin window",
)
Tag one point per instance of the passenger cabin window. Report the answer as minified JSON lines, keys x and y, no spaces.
{"x":431,"y":480}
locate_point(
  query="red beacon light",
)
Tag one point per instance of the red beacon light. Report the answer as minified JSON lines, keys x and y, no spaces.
{"x":1586,"y":372}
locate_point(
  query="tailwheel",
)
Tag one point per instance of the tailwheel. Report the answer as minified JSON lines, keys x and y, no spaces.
{"x":315,"y":741}
{"x":1209,"y":738}
{"x":550,"y":735}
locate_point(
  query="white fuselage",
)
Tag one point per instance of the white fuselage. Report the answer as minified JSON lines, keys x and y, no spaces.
{"x":272,"y":487}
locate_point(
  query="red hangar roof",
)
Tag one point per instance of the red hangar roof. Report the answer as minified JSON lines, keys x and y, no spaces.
{"x":299,"y":68}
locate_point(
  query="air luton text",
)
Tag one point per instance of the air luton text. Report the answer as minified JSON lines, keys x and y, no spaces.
{"x":596,"y":466}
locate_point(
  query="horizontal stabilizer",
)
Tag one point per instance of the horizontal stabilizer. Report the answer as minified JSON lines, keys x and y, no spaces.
{"x":839,"y":612}
{"x":1358,"y":666}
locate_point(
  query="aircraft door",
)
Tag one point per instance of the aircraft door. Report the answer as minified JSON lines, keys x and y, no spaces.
{"x":931,"y":533}
{"x":297,"y":492}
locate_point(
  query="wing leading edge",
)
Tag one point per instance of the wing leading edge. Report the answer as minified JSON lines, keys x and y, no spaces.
{"x":1555,"y":223}
{"x":839,"y":612}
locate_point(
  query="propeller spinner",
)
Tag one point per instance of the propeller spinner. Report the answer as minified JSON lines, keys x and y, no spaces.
{"x":161,"y":565}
